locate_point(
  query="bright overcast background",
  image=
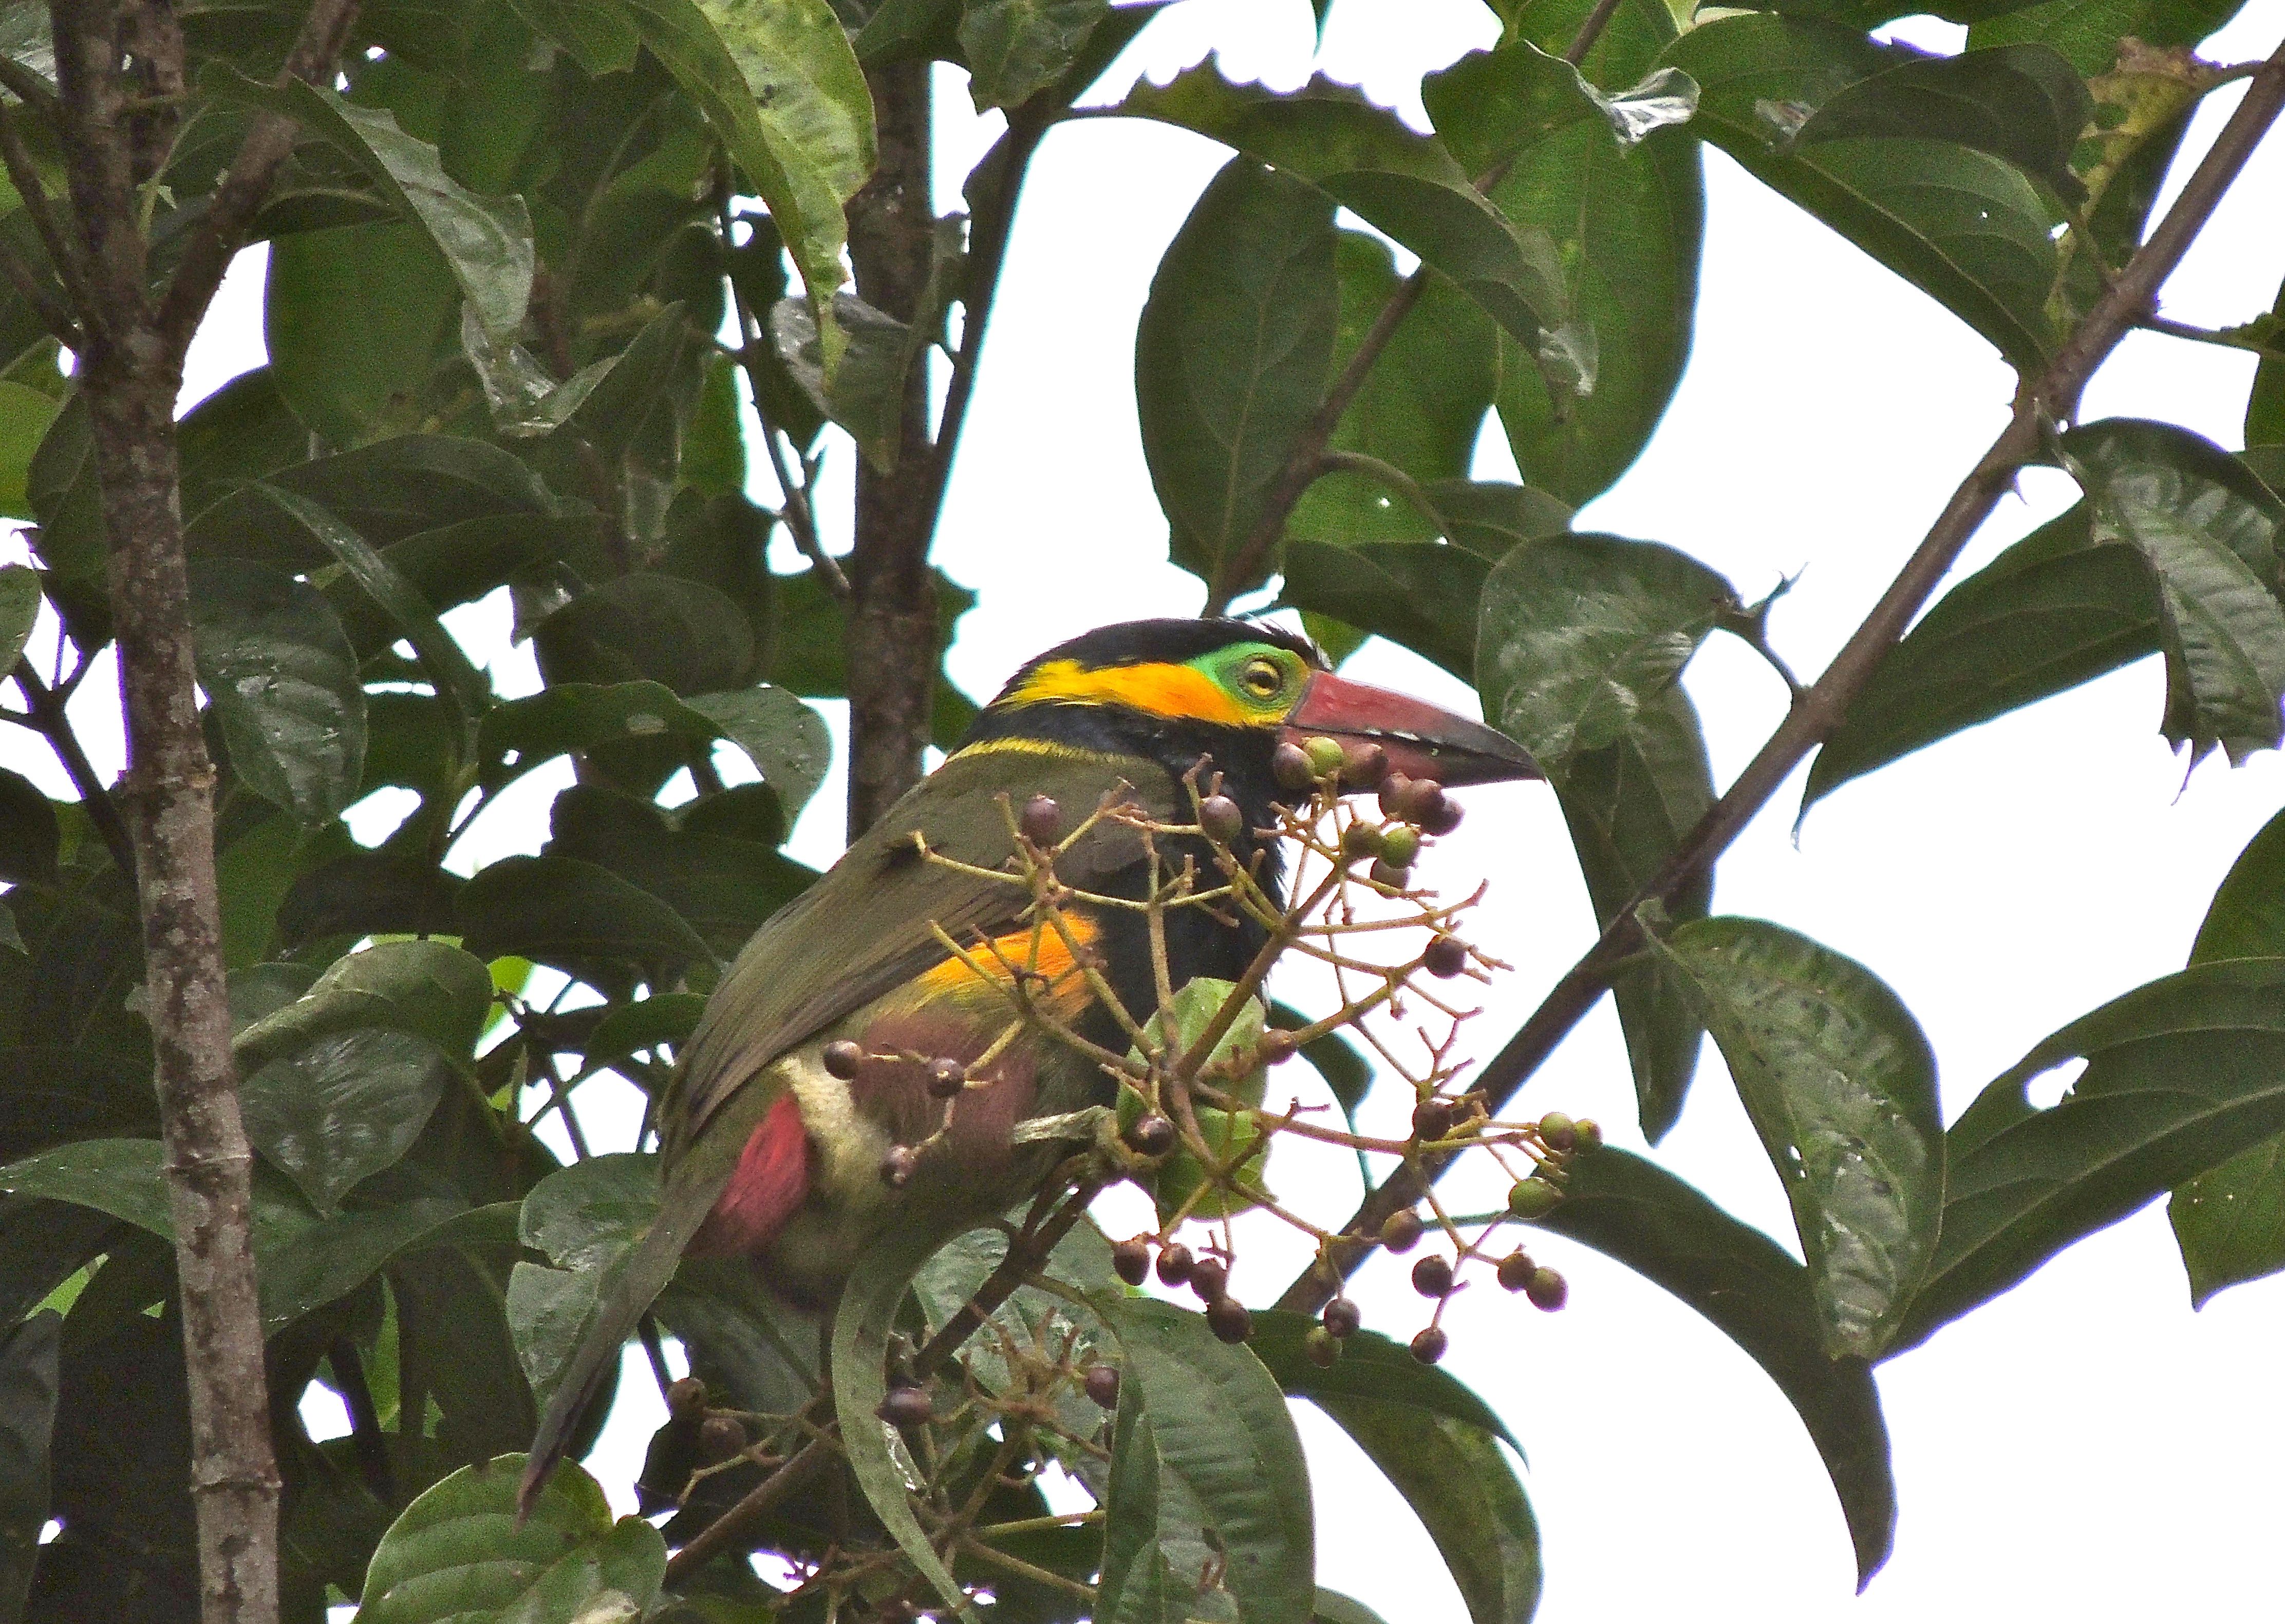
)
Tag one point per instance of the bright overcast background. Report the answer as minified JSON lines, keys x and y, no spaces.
{"x":2086,"y":1446}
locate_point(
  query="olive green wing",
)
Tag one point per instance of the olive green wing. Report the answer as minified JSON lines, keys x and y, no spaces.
{"x":867,"y":926}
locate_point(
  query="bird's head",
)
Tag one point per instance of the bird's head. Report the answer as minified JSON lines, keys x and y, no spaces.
{"x":1174,"y":690}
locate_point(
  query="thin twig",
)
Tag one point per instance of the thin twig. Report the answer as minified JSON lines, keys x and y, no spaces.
{"x":2054,"y":394}
{"x":48,"y":716}
{"x":63,"y":253}
{"x":2228,"y":338}
{"x":213,"y":241}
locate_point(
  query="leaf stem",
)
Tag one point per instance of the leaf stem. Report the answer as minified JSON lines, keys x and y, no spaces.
{"x":47,"y":717}
{"x":2053,"y":394}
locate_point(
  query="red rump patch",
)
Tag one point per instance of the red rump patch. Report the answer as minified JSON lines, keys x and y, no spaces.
{"x":771,"y":1181}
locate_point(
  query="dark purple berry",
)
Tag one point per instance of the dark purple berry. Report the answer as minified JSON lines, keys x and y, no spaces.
{"x":1443,"y":820}
{"x":1041,"y":821}
{"x":897,"y":1165}
{"x":1515,"y":1271}
{"x":719,"y":1436}
{"x":1444,"y":956}
{"x":1289,"y":764}
{"x":1401,"y":1232}
{"x":687,"y":1397}
{"x":1385,"y":873}
{"x":945,"y":1078}
{"x":1429,"y":1345}
{"x":1130,"y":1260}
{"x":1547,"y":1290}
{"x":1210,"y":1279}
{"x":1227,"y":1319}
{"x":1150,"y":1134}
{"x":1432,"y":1118}
{"x":1220,"y":820}
{"x":1175,"y":1263}
{"x":1343,"y":1317}
{"x":1432,"y":1276}
{"x":1321,"y":1347}
{"x":1360,"y":840}
{"x":1423,"y":799}
{"x":1103,"y":1385}
{"x":1363,"y":765}
{"x":906,"y":1407}
{"x":841,"y":1058}
{"x":1391,"y":795}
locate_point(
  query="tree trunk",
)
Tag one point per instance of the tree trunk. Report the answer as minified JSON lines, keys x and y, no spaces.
{"x":892,"y":634}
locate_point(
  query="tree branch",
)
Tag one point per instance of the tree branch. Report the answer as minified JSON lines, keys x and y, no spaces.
{"x":215,"y":239}
{"x":2053,"y":396}
{"x":47,"y":715}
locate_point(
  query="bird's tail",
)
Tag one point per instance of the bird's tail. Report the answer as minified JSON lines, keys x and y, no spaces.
{"x":620,"y":1306}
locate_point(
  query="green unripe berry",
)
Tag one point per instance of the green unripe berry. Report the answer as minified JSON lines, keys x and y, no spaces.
{"x":1532,"y":1199}
{"x":1557,"y":1132}
{"x":1321,"y":1347}
{"x":1399,"y":846}
{"x":1326,"y":755}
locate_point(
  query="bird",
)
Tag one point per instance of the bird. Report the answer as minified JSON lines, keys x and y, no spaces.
{"x":799,"y":1123}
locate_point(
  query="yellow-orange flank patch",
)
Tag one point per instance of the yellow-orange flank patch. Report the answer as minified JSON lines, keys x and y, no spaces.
{"x":1038,"y":950}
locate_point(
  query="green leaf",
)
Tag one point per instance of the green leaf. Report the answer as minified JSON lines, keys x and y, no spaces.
{"x":597,"y":33}
{"x":283,"y":679}
{"x":2181,"y":1075}
{"x":1465,"y":1494}
{"x":1580,"y":633}
{"x":335,"y":1111}
{"x":25,"y":415}
{"x":1492,"y":519}
{"x":662,"y":1018}
{"x":461,"y":1552}
{"x":1841,"y":1084}
{"x":782,"y":88}
{"x":1490,"y":105}
{"x":2090,"y":33}
{"x":2264,"y":405}
{"x":355,"y":321}
{"x":1424,"y":594}
{"x":118,"y":1176}
{"x":430,"y":990}
{"x":862,"y":1324}
{"x":1231,"y":357}
{"x":1628,"y":805}
{"x":1964,"y":227}
{"x":2208,"y":529}
{"x":1419,"y":410}
{"x":1406,"y":185}
{"x":722,"y":887}
{"x":2053,"y":611}
{"x":307,"y":1263}
{"x":2022,"y":103}
{"x":785,"y":739}
{"x":27,"y":1415}
{"x":644,"y":627}
{"x":1371,"y":1366}
{"x":455,"y":678}
{"x":487,"y":241}
{"x":2230,"y":1222}
{"x":1740,"y":1279}
{"x":587,"y":1219}
{"x":1213,"y":1422}
{"x":576,"y":916}
{"x":1017,"y":48}
{"x":20,"y":611}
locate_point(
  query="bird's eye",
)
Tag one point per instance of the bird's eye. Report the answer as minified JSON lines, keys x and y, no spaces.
{"x":1262,"y":678}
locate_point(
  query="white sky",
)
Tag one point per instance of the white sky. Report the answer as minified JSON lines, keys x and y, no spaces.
{"x":2085,"y":1447}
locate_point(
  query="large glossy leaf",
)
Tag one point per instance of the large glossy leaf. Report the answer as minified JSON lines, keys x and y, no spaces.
{"x":721,"y":886}
{"x":431,"y":990}
{"x":1213,"y":1422}
{"x":334,"y":1111}
{"x":1419,"y":410}
{"x":586,"y":1220}
{"x":2053,"y":611}
{"x":1422,"y":594}
{"x":2230,"y":1222}
{"x":646,"y":627}
{"x":2208,"y":529}
{"x":1017,"y":48}
{"x":1744,"y":1283}
{"x":2089,"y":34}
{"x":1627,"y":806}
{"x":1370,"y":1366}
{"x":2022,"y":103}
{"x":1580,"y":633}
{"x":782,"y":88}
{"x":1365,"y":159}
{"x":27,"y":1415}
{"x":1230,"y":355}
{"x":355,"y":321}
{"x":25,"y":415}
{"x":1465,"y":1493}
{"x":1841,"y":1084}
{"x":785,"y":739}
{"x":2265,"y":404}
{"x":487,"y":241}
{"x":575,"y":915}
{"x":1965,"y":227}
{"x":597,"y":33}
{"x":1627,"y":220}
{"x":2181,"y":1075}
{"x":862,"y":1324}
{"x":461,"y":1551}
{"x":283,"y":679}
